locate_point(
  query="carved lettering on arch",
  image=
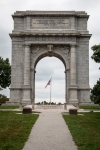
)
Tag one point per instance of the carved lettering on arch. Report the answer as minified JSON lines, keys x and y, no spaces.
{"x":50,"y":23}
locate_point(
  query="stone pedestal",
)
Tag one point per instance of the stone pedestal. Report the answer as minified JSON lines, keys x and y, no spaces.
{"x":73,"y":111}
{"x":27,"y":110}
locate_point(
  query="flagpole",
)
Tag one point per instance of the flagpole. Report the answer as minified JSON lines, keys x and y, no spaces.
{"x":50,"y":90}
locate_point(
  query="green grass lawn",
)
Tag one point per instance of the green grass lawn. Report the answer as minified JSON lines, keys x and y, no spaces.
{"x":15,"y":129}
{"x":85,"y":130}
{"x":90,"y":107}
{"x":8,"y":107}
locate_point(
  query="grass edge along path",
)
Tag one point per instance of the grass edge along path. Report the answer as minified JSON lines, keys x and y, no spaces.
{"x":85,"y":130}
{"x":15,"y":129}
{"x":8,"y":107}
{"x":90,"y":107}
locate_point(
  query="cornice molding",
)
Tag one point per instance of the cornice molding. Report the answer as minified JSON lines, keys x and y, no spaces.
{"x":82,"y":14}
{"x":30,"y":34}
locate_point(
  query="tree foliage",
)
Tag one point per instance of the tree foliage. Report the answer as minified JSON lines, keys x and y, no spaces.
{"x":96,"y":53}
{"x":95,"y":93}
{"x":5,"y":73}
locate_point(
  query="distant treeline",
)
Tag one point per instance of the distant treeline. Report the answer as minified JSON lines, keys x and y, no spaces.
{"x":48,"y":103}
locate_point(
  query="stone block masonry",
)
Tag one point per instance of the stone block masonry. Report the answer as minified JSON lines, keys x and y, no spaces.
{"x":62,"y":34}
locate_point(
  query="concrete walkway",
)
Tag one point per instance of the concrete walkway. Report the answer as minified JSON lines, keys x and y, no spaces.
{"x":50,"y":132}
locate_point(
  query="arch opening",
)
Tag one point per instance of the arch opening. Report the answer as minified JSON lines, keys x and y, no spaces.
{"x":46,"y":68}
{"x":50,"y":54}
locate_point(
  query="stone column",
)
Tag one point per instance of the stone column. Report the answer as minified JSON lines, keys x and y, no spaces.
{"x":73,"y":87}
{"x":65,"y":86}
{"x":33,"y":85}
{"x":32,"y":82}
{"x":26,"y":85}
{"x":72,"y":66}
{"x":27,"y":65}
{"x":65,"y":104}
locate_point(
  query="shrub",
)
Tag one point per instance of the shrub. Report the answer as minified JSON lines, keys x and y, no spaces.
{"x":3,"y":98}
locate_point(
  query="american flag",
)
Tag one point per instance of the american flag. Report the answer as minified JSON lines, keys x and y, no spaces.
{"x":48,"y":83}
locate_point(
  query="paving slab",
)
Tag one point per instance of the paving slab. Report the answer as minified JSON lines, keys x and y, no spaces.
{"x":50,"y":132}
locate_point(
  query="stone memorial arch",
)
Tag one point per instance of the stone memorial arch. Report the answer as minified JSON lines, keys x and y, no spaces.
{"x":38,"y":34}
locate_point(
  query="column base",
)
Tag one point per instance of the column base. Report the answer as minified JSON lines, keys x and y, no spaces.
{"x":73,"y":95}
{"x":86,"y":104}
{"x":26,"y":101}
{"x":73,"y":101}
{"x":12,"y":103}
{"x":65,"y":106}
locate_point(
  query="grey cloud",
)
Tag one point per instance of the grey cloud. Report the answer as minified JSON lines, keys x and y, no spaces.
{"x":48,"y":67}
{"x":81,"y":5}
{"x":43,"y":74}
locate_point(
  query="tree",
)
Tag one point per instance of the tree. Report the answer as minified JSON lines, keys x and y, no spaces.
{"x":96,"y":54}
{"x":5,"y":73}
{"x":95,"y":93}
{"x":59,"y":103}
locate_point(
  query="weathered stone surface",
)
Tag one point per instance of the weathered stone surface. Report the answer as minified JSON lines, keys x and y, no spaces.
{"x":38,"y":34}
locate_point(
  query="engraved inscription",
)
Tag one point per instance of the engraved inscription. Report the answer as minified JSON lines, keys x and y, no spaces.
{"x":50,"y":23}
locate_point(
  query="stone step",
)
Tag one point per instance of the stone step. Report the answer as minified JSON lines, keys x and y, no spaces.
{"x":49,"y":107}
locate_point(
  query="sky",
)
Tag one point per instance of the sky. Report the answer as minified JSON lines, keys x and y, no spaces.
{"x":56,"y":67}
